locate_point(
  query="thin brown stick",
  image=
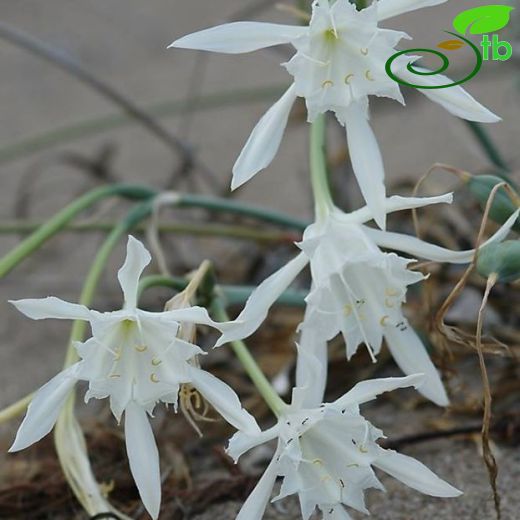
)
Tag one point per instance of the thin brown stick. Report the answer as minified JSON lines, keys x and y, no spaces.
{"x":489,"y":458}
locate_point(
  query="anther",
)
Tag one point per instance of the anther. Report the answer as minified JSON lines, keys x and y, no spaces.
{"x":327,"y":83}
{"x":368,"y":75}
{"x":364,"y":51}
{"x":154,"y":378}
{"x":348,"y":78}
{"x":141,"y":348}
{"x":156,"y":362}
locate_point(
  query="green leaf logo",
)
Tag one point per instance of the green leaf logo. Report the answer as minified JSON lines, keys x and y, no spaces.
{"x":484,"y":19}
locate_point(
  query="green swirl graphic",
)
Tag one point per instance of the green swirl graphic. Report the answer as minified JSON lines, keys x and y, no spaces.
{"x":445,"y":64}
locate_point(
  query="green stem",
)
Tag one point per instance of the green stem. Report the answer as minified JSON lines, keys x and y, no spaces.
{"x":488,"y":146}
{"x":183,"y":228}
{"x":235,"y":294}
{"x":268,"y":393}
{"x":239,"y":208}
{"x":318,"y":165}
{"x":63,"y":217}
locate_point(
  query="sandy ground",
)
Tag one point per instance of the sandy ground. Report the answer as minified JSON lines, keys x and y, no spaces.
{"x":124,"y":42}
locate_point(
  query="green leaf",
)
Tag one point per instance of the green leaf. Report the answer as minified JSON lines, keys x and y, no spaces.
{"x":484,"y":19}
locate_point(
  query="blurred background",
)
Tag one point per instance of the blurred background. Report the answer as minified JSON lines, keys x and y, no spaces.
{"x":60,"y":137}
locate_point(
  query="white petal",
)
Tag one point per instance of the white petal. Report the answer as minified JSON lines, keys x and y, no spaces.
{"x":454,"y":99}
{"x":137,"y":258}
{"x":51,"y":307}
{"x":311,"y":369}
{"x":240,"y":37}
{"x":143,"y":457}
{"x":254,"y":506}
{"x":224,"y":400}
{"x":389,"y":8}
{"x":45,"y":408}
{"x":197,"y":315}
{"x":367,"y":390}
{"x":420,"y":249}
{"x":261,"y":299}
{"x":414,"y":474}
{"x":412,"y":358}
{"x":397,"y":203}
{"x":264,"y":141}
{"x":367,"y":162}
{"x":242,"y":442}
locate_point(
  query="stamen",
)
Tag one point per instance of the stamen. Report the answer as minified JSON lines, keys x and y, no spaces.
{"x":114,"y":376}
{"x":368,"y":75}
{"x":156,"y":362}
{"x":141,"y":348}
{"x":327,"y":83}
{"x":318,"y":461}
{"x":348,"y":78}
{"x":383,"y":320}
{"x":154,"y":378}
{"x":347,"y":309}
{"x":389,"y":303}
{"x":364,"y":51}
{"x":314,"y":60}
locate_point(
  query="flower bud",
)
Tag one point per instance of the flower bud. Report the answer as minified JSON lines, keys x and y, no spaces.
{"x":502,"y":259}
{"x":502,"y":207}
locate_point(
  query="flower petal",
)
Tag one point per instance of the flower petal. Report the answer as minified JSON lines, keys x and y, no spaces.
{"x":311,"y":369}
{"x":224,"y":400}
{"x":242,"y":442}
{"x":254,"y":506}
{"x":389,"y":8}
{"x":367,"y":161}
{"x":143,"y":457}
{"x":51,"y":307}
{"x":420,"y":249}
{"x":261,"y":299}
{"x":137,"y":258}
{"x":367,"y":390}
{"x":240,"y":37}
{"x":397,"y":203}
{"x":454,"y":99}
{"x":197,"y":315}
{"x":264,"y":141}
{"x":45,"y":408}
{"x":411,"y":356}
{"x":414,"y":474}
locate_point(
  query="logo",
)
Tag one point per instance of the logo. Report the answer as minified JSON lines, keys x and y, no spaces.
{"x":478,"y":21}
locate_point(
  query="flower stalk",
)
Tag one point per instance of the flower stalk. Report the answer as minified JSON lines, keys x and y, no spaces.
{"x":318,"y":166}
{"x":264,"y":387}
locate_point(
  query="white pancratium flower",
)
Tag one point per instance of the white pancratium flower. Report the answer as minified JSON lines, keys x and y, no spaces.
{"x":357,"y":289}
{"x":325,"y":452}
{"x":136,"y":359}
{"x":340,"y":62}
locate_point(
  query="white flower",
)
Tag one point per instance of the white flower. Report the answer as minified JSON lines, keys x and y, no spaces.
{"x":135,"y":358}
{"x":325,"y":452}
{"x":340,"y":62}
{"x":358,"y":290}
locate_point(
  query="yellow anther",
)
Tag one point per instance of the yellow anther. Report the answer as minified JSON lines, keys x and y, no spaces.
{"x":383,"y":320}
{"x":114,"y":376}
{"x":348,"y":78}
{"x":156,"y":362}
{"x":327,"y":83}
{"x":141,"y":348}
{"x":364,"y":51}
{"x":362,"y":449}
{"x":318,"y":461}
{"x":154,"y":378}
{"x":368,"y":75}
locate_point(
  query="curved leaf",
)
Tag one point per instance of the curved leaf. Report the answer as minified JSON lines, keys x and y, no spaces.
{"x":483,"y":19}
